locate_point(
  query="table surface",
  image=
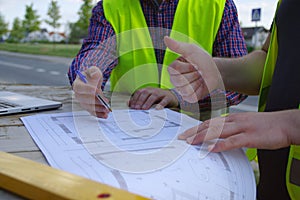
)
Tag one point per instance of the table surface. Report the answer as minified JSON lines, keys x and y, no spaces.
{"x":14,"y":137}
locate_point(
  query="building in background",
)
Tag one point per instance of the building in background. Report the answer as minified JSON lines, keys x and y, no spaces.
{"x":56,"y":37}
{"x":255,"y":36}
{"x":44,"y":36}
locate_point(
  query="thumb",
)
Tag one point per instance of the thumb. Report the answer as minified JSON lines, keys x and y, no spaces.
{"x":95,"y":76}
{"x":191,"y":52}
{"x":173,"y":45}
{"x":182,"y":48}
{"x":94,"y":72}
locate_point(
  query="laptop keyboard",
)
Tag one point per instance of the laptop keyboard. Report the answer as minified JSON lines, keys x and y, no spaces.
{"x":4,"y":104}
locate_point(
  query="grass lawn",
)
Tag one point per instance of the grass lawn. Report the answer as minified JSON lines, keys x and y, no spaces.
{"x":63,"y":50}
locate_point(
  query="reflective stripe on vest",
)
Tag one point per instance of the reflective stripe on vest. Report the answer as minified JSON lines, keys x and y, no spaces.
{"x":293,"y":167}
{"x":195,"y":21}
{"x":293,"y":172}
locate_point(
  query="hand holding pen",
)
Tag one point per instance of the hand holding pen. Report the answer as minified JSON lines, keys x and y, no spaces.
{"x":87,"y":93}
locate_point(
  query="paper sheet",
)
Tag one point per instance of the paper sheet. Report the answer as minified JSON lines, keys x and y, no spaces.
{"x":138,"y":151}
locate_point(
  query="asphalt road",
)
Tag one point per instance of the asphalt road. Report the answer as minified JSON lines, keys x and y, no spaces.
{"x":33,"y":69}
{"x":48,"y":70}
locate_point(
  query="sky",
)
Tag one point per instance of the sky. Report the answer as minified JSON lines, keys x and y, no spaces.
{"x":10,"y":9}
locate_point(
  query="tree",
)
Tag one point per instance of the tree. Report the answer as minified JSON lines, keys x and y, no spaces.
{"x":17,"y":32}
{"x":85,"y":14}
{"x":53,"y":13}
{"x":3,"y":26}
{"x":79,"y":29}
{"x":31,"y":20}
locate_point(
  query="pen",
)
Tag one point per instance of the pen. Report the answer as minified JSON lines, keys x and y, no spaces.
{"x":103,"y":102}
{"x":83,"y":78}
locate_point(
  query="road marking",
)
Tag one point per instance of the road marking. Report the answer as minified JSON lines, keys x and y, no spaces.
{"x":54,"y":73}
{"x":16,"y":65}
{"x":40,"y":70}
{"x":26,"y":67}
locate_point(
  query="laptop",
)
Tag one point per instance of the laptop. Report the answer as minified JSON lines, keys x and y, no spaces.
{"x":13,"y":103}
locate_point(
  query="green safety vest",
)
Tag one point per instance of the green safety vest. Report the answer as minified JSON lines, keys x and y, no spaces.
{"x":195,"y":21}
{"x":293,"y":166}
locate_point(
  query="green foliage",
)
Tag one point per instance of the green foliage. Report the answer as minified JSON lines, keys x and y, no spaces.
{"x":3,"y":26}
{"x":17,"y":32}
{"x":62,"y":50}
{"x":54,"y":15}
{"x":76,"y":33}
{"x":31,"y":20}
{"x":85,"y":14}
{"x":79,"y":29}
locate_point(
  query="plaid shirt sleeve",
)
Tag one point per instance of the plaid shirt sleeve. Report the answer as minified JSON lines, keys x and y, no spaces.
{"x":228,"y":43}
{"x":98,"y":49}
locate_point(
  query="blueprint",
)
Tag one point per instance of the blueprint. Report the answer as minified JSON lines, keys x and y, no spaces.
{"x":138,"y":151}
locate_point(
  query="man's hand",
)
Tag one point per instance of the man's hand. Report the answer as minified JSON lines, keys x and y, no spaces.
{"x":268,"y":130}
{"x":85,"y":93}
{"x":145,"y":98}
{"x":195,"y":74}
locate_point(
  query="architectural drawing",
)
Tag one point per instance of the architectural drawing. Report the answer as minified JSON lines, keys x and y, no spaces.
{"x":138,"y":151}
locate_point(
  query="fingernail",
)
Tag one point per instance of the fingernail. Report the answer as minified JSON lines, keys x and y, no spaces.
{"x":210,"y":147}
{"x":93,"y":74}
{"x":190,"y":140}
{"x":159,"y":107}
{"x":180,"y":137}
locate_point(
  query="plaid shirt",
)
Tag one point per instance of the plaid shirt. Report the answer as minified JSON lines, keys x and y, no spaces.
{"x":229,"y":42}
